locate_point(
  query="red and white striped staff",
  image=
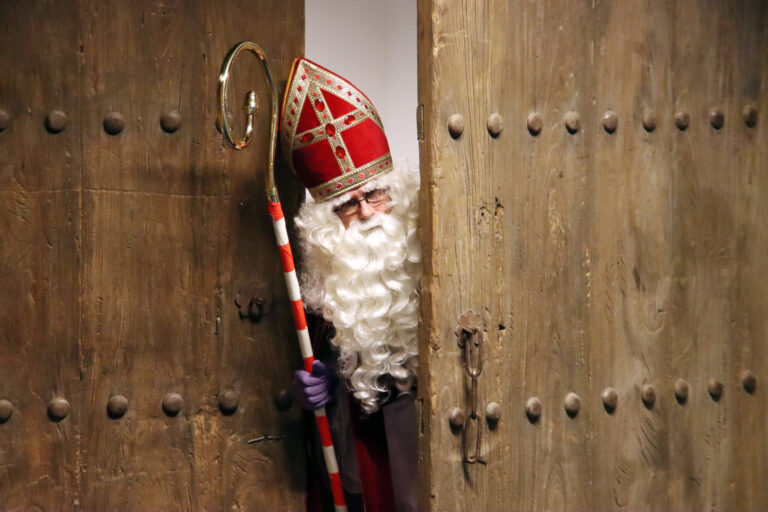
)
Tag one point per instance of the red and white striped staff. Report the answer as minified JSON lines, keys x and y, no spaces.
{"x":300,"y":320}
{"x":281,"y":234}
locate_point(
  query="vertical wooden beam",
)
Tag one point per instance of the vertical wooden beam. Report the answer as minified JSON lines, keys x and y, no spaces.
{"x":175,"y":226}
{"x":597,"y":258}
{"x":40,"y":234}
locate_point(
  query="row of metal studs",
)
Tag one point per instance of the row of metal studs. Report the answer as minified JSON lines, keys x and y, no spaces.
{"x":610,"y":399}
{"x":572,"y":121}
{"x":57,"y":120}
{"x":172,"y":404}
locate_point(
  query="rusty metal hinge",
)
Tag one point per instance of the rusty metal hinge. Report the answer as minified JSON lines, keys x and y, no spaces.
{"x":420,"y":122}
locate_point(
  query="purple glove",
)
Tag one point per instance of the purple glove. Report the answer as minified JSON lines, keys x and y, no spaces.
{"x":314,"y":390}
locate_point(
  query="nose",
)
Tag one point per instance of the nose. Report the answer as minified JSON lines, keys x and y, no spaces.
{"x":366,"y":211}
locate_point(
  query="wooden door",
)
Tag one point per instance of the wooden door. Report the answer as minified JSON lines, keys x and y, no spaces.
{"x":127,"y":229}
{"x":602,"y":204}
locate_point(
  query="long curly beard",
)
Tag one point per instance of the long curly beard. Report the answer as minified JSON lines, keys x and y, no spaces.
{"x":365,"y":280}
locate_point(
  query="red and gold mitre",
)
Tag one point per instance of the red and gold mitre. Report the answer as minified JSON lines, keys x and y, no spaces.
{"x":330,"y":132}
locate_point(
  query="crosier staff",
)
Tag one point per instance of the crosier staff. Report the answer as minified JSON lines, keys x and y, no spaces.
{"x":278,"y":222}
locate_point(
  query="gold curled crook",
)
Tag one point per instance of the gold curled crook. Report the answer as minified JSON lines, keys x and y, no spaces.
{"x":250,"y":108}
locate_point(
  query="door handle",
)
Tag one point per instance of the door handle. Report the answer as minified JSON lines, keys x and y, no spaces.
{"x":470,"y":334}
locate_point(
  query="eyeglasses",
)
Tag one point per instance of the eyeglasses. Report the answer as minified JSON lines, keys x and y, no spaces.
{"x":374,"y":198}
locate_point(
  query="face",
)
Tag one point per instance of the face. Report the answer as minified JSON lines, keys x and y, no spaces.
{"x":363,"y":205}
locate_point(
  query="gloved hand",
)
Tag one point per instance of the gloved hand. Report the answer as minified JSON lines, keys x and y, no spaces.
{"x":314,"y":390}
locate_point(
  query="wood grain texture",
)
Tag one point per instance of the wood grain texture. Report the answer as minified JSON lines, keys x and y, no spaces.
{"x":122,"y":256}
{"x":38,"y":78}
{"x":39,"y":361}
{"x":596,"y":259}
{"x":40,"y":225}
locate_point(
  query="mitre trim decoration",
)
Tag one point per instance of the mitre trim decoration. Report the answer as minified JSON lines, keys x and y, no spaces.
{"x":352,"y":179}
{"x":331,"y":132}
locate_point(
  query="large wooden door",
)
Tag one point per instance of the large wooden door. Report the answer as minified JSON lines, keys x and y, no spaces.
{"x":127,"y":229}
{"x":602,"y":204}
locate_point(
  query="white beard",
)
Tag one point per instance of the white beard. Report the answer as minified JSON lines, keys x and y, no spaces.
{"x":365,"y":280}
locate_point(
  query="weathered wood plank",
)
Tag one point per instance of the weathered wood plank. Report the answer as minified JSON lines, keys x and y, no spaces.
{"x":596,"y":259}
{"x":40,"y":228}
{"x":149,"y":313}
{"x":40,"y":63}
{"x":257,"y":359}
{"x":176,"y":225}
{"x":39,"y":322}
{"x":121,"y":256}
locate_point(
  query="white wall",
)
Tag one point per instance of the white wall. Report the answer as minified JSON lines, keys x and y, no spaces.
{"x":372,"y":43}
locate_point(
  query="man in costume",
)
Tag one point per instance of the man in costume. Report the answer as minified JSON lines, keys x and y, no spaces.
{"x":361,"y":274}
